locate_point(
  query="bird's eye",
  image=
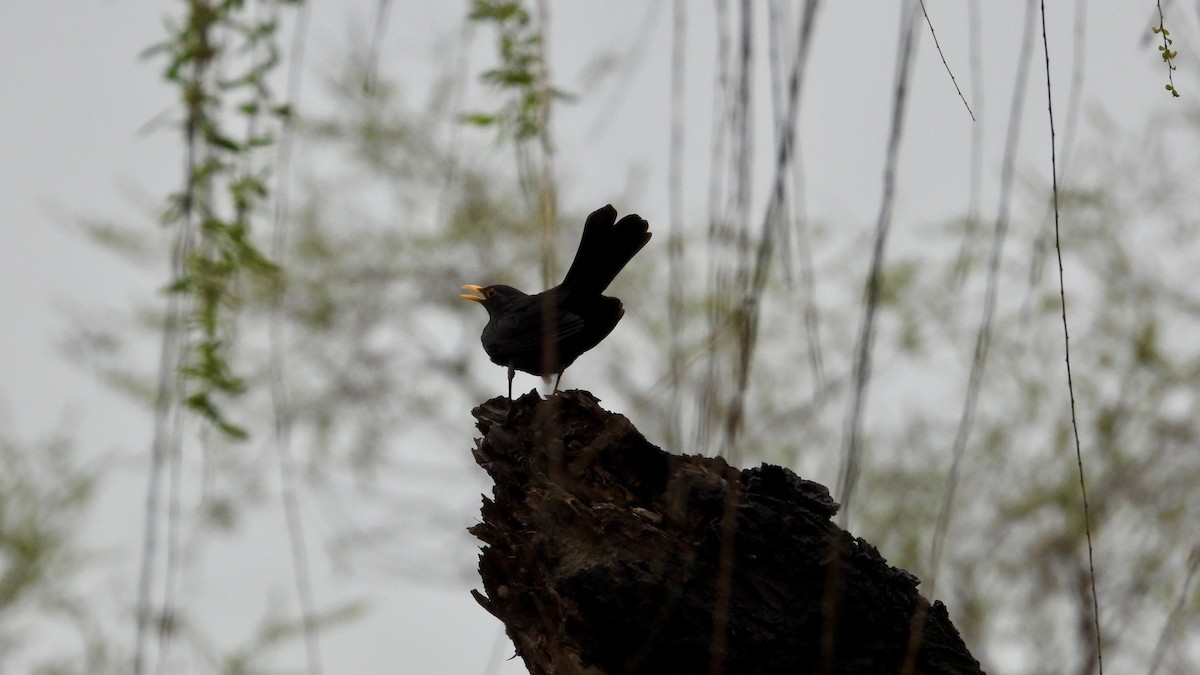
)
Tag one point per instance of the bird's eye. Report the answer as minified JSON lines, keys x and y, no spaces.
{"x":489,"y":293}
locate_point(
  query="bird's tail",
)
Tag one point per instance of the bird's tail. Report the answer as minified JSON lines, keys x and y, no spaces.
{"x":606,"y":247}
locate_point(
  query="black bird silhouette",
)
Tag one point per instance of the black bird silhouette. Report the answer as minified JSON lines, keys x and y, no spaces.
{"x":543,"y":334}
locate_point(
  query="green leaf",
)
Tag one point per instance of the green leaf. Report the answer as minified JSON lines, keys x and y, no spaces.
{"x":181,"y":285}
{"x":478,"y":119}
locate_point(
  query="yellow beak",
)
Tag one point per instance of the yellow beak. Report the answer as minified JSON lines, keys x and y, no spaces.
{"x":477,"y":295}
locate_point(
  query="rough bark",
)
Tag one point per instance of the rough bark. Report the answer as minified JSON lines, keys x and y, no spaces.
{"x":605,"y":554}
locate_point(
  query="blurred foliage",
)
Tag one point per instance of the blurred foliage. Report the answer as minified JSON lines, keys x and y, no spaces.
{"x":522,"y":79}
{"x":384,"y":362}
{"x":275,"y":632}
{"x":384,"y":352}
{"x":374,"y":380}
{"x":521,"y":74}
{"x":45,"y":494}
{"x":1017,"y":567}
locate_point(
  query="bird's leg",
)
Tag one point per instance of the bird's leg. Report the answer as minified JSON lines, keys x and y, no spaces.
{"x":557,"y":379}
{"x":511,"y":372}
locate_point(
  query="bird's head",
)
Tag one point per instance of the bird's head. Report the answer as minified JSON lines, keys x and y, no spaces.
{"x":493,"y":298}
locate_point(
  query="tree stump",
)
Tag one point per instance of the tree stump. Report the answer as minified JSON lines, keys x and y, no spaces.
{"x":605,"y":554}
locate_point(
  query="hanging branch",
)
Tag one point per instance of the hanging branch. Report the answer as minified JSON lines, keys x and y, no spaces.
{"x":277,"y":367}
{"x":1062,"y":295}
{"x":1168,"y":55}
{"x":524,"y":117}
{"x":675,"y":266}
{"x":933,"y":34}
{"x":852,"y":454}
{"x":212,"y":251}
{"x":223,"y":191}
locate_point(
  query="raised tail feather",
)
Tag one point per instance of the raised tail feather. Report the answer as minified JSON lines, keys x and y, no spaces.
{"x":606,"y":247}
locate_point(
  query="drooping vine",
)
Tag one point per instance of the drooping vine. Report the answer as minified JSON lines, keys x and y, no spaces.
{"x":220,"y":59}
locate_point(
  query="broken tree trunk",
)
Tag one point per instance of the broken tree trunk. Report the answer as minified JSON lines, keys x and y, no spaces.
{"x":605,"y":554}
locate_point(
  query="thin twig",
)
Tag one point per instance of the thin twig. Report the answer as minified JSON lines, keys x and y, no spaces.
{"x":1041,"y":245}
{"x":1062,"y":294}
{"x":971,"y":226}
{"x":723,"y":101}
{"x":851,"y":455}
{"x":168,"y":395}
{"x":1185,"y":592}
{"x":808,"y":278}
{"x":738,"y":286}
{"x":547,"y":188}
{"x":776,"y":214}
{"x":983,"y":336}
{"x":675,"y":266}
{"x":279,"y":398}
{"x":1165,"y":50}
{"x":166,"y":623}
{"x":371,"y":76}
{"x":947,"y":65}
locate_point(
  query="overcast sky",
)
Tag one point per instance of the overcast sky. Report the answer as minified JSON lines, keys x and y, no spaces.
{"x":72,"y":131}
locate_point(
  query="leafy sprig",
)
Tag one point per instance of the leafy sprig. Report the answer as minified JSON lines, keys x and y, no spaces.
{"x":1168,"y":54}
{"x":223,"y":188}
{"x":521,"y":73}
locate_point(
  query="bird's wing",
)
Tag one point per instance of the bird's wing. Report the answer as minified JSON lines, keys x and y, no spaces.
{"x":521,"y":334}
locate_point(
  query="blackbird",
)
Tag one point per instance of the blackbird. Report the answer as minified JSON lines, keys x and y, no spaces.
{"x":543,"y":334}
